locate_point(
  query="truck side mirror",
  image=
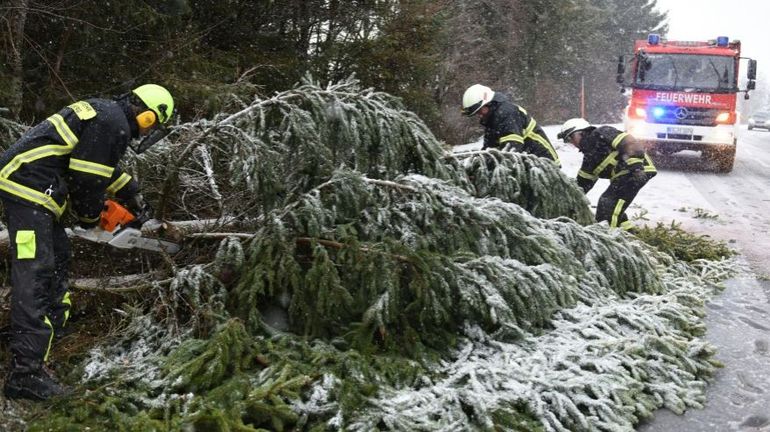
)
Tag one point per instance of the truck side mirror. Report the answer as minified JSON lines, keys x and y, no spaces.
{"x":751,"y":72}
{"x":621,"y":70}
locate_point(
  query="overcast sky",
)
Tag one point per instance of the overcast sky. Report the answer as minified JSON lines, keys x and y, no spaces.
{"x":745,"y":20}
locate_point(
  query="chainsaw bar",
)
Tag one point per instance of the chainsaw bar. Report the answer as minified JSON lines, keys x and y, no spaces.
{"x":130,"y":238}
{"x":126,"y":238}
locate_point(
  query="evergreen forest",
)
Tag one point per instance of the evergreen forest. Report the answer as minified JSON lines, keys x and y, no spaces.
{"x":426,"y":52}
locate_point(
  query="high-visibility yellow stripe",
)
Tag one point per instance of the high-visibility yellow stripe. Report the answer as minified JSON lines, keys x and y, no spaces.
{"x":91,"y":167}
{"x":44,"y":151}
{"x":118,"y":184}
{"x":547,"y":145}
{"x":530,"y":127}
{"x":66,"y":301}
{"x":586,"y":175}
{"x":29,"y":194}
{"x":512,"y":137}
{"x":64,"y":131}
{"x":632,"y":161}
{"x":33,"y":155}
{"x":609,"y":160}
{"x":616,"y":213}
{"x":50,"y":338}
{"x":627,"y":225}
{"x":32,"y":195}
{"x":522,"y":110}
{"x":650,"y":167}
{"x":618,"y":139}
{"x":618,"y":174}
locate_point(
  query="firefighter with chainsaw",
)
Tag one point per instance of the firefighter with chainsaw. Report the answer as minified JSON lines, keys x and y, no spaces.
{"x":507,"y":126}
{"x":68,"y":162}
{"x":611,"y":154}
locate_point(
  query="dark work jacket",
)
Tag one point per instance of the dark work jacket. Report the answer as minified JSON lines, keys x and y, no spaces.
{"x":509,"y":127}
{"x":610,"y":154}
{"x":71,"y":158}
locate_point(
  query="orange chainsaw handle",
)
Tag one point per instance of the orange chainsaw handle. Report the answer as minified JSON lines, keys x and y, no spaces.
{"x":114,"y":215}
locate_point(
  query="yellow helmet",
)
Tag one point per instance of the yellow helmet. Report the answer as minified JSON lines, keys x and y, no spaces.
{"x":158,"y":99}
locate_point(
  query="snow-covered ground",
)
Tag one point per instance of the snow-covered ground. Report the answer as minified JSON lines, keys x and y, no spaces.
{"x":734,"y":208}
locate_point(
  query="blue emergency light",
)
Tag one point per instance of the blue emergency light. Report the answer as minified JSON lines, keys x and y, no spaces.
{"x":722,"y":41}
{"x":658,"y":112}
{"x":653,"y":39}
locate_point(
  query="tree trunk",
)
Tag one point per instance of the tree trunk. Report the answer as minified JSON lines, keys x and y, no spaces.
{"x":17,"y":18}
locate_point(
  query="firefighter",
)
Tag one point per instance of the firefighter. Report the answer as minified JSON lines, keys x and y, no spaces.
{"x":67,"y":162}
{"x":614,"y":155}
{"x":507,"y":126}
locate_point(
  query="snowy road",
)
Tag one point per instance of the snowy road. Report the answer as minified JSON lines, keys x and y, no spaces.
{"x":733,"y":207}
{"x":736,"y":209}
{"x":737,"y":205}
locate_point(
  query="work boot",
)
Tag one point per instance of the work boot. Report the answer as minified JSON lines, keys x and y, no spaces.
{"x":35,"y":384}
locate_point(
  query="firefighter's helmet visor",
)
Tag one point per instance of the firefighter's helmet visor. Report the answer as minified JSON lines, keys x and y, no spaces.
{"x":469,"y":111}
{"x":151,"y":139}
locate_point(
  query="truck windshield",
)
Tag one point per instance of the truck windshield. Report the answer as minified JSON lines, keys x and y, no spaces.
{"x":706,"y":73}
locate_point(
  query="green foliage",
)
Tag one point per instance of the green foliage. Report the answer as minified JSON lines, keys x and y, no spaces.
{"x":540,"y":53}
{"x":273,"y":150}
{"x":367,"y":251}
{"x":683,"y":245}
{"x":10,"y":131}
{"x":200,"y":365}
{"x":195,"y":299}
{"x":533,"y":183}
{"x":425,"y":52}
{"x":208,"y":51}
{"x":415,"y":297}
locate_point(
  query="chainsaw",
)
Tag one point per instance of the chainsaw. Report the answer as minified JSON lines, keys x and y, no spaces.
{"x":115,"y":231}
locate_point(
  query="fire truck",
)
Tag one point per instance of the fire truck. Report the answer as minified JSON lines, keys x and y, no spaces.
{"x":683,"y":96}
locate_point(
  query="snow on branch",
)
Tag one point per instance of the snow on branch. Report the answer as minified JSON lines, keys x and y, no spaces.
{"x":377,"y":282}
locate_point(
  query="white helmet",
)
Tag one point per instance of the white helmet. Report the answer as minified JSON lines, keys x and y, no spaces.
{"x":476,"y":97}
{"x":571,"y":126}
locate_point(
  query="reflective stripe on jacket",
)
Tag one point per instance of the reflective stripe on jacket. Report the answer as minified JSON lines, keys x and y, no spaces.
{"x":610,"y":154}
{"x":509,"y":127}
{"x":72,"y":155}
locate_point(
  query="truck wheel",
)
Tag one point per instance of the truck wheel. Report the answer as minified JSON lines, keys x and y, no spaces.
{"x":751,"y":127}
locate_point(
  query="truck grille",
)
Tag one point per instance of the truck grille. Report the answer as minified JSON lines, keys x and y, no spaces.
{"x":684,"y":116}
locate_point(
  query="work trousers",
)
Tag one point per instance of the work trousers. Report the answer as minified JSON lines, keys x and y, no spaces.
{"x":40,"y":303}
{"x":615,"y":200}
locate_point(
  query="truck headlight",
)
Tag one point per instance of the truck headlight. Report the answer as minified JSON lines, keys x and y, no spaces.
{"x":725,"y":117}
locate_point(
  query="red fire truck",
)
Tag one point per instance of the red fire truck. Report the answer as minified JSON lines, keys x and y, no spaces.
{"x":683,"y":96}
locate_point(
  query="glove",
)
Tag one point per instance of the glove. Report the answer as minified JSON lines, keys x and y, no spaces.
{"x":140,"y":209}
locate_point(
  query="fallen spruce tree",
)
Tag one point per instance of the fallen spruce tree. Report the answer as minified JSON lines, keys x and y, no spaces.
{"x":367,"y":279}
